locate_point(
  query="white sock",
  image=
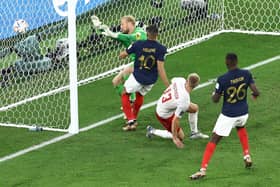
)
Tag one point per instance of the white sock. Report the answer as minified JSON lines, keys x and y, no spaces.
{"x":162,"y":133}
{"x":193,"y":121}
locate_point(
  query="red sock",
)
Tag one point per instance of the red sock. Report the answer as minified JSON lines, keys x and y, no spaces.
{"x":138,"y":103}
{"x":127,"y":109}
{"x":209,"y":150}
{"x":243,"y":137}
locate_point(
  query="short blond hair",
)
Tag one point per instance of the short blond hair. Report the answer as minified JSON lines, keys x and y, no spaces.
{"x":129,"y":18}
{"x":193,"y":79}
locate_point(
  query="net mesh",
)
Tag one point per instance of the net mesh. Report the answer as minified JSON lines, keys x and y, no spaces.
{"x":254,"y":15}
{"x":34,"y":64}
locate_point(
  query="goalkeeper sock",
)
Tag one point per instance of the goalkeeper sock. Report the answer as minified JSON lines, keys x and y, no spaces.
{"x":125,"y":77}
{"x":193,"y":121}
{"x":132,"y":97}
{"x":243,"y":137}
{"x":162,"y":133}
{"x":119,"y":89}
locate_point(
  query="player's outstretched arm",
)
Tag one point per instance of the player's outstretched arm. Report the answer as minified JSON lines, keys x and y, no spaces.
{"x":95,"y":21}
{"x":174,"y":128}
{"x":123,"y":54}
{"x":131,"y":49}
{"x":103,"y":28}
{"x":162,"y":73}
{"x":255,"y":90}
{"x":107,"y":32}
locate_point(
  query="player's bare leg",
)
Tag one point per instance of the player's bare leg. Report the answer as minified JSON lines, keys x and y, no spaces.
{"x":118,"y":79}
{"x":193,"y":118}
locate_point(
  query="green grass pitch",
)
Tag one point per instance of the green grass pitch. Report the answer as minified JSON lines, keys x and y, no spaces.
{"x":106,"y":156}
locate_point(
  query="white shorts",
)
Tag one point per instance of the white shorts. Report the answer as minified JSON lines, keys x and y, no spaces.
{"x":131,"y":86}
{"x":224,"y":124}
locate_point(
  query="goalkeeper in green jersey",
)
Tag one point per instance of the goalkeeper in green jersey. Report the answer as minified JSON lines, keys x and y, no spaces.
{"x":128,"y":35}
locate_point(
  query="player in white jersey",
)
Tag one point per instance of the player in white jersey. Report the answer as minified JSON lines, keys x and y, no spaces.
{"x":173,"y":103}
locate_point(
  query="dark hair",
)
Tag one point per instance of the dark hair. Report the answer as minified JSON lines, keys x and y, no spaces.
{"x":152,"y":29}
{"x":232,"y":58}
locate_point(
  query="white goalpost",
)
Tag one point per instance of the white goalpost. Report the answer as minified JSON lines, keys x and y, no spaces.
{"x":46,"y":56}
{"x":74,"y":120}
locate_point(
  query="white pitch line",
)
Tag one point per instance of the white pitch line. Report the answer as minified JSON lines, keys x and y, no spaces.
{"x":35,"y":147}
{"x":103,"y":122}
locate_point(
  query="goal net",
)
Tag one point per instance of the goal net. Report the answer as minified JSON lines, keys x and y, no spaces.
{"x":254,"y":17}
{"x":34,"y":63}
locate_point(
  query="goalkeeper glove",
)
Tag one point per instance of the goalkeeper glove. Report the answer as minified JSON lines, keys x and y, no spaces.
{"x":96,"y":22}
{"x":105,"y":29}
{"x":108,"y":32}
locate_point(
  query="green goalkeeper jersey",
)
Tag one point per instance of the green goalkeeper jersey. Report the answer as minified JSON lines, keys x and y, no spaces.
{"x":128,"y":39}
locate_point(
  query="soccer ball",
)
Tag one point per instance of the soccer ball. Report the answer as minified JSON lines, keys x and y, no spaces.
{"x":20,"y":26}
{"x":193,"y":4}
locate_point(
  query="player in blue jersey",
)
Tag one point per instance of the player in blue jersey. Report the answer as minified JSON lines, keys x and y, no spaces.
{"x":148,"y":64}
{"x":233,"y":87}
